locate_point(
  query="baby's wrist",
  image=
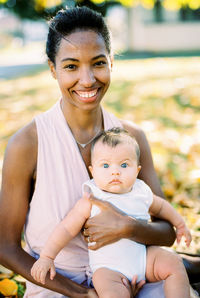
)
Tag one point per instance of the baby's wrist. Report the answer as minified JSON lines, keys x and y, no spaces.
{"x":43,"y":256}
{"x":180,"y":225}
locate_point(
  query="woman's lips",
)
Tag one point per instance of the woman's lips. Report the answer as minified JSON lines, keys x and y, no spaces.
{"x":87,"y":96}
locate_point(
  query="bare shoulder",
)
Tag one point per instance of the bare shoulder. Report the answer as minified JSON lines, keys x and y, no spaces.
{"x":22,"y":146}
{"x":134,"y":130}
{"x":25,"y":137}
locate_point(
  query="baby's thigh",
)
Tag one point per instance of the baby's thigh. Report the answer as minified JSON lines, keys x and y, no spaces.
{"x":108,"y":284}
{"x":161,"y":263}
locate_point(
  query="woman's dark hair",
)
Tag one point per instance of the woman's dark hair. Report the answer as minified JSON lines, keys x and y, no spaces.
{"x":68,"y":21}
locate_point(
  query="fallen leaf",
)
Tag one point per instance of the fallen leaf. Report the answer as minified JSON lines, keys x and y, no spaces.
{"x":8,"y":287}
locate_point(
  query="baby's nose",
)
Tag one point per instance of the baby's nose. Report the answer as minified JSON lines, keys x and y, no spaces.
{"x":115,"y":172}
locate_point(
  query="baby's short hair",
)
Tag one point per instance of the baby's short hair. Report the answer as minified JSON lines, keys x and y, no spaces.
{"x":115,"y":136}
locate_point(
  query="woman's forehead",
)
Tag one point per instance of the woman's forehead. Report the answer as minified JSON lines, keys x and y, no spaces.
{"x":79,"y":41}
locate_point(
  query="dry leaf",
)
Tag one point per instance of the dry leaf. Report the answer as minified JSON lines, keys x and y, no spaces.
{"x":19,"y":278}
{"x":5,"y":270}
{"x":8,"y":287}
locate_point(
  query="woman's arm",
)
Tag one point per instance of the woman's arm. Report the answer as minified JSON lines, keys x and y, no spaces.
{"x":160,"y":232}
{"x":147,"y":172}
{"x":164,"y":210}
{"x":18,"y":169}
{"x":111,"y":225}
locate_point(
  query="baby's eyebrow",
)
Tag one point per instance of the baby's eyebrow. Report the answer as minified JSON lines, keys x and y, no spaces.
{"x":126,"y":159}
{"x":104,"y":160}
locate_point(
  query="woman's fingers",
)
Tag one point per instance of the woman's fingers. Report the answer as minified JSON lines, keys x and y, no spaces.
{"x":133,"y":286}
{"x":138,"y":286}
{"x":106,"y":227}
{"x":101,"y":204}
{"x":104,"y":205}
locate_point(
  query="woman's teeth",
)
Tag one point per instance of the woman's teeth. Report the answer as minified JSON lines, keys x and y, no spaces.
{"x":87,"y":94}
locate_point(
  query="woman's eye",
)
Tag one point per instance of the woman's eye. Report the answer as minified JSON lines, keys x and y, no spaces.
{"x":105,"y":165}
{"x":70,"y":67}
{"x":100,"y":63}
{"x":124,"y":165}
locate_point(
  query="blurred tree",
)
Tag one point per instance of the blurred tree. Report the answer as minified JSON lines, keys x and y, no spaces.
{"x":34,"y":9}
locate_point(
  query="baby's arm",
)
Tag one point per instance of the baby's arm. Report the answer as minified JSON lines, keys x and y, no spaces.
{"x":67,"y":229}
{"x":162,"y":209}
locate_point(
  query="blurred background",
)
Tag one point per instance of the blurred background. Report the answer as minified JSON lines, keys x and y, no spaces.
{"x":155,"y":83}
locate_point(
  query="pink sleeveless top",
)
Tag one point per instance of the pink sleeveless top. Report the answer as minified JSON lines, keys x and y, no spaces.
{"x":61,"y":172}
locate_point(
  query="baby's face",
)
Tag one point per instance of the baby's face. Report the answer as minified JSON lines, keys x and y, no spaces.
{"x":114,"y":169}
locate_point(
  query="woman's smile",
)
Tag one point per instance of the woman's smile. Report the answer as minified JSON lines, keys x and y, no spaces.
{"x":82,"y":69}
{"x":87,"y":96}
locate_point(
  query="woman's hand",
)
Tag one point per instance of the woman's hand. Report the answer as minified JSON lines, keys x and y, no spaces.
{"x":107,"y":227}
{"x":91,"y":294}
{"x":133,"y":287}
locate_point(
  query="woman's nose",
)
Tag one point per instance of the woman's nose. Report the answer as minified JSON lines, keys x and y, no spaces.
{"x":87,"y":78}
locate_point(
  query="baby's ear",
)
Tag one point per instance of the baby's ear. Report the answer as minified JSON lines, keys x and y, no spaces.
{"x":139,"y":168}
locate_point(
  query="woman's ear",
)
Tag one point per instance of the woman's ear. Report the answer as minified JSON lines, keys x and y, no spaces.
{"x":111,"y":61}
{"x":52,"y":68}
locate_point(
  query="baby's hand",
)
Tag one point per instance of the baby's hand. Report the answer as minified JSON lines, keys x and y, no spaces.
{"x":41,"y":267}
{"x":183,"y":231}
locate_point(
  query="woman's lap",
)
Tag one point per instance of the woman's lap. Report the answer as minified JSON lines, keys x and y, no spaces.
{"x":152,"y":290}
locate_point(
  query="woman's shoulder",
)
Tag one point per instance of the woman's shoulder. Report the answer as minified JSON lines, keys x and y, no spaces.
{"x":24,"y":141}
{"x":133,"y":129}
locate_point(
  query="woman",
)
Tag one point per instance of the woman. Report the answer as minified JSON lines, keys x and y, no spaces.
{"x":47,"y":161}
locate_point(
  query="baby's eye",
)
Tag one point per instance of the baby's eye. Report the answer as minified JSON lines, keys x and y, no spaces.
{"x":124,"y":165}
{"x":105,"y":165}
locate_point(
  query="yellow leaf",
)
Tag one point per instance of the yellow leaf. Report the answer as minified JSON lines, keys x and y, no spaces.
{"x":5,"y":275}
{"x":8,"y":287}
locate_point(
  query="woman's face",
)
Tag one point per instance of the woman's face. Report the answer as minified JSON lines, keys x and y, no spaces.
{"x":82,"y":69}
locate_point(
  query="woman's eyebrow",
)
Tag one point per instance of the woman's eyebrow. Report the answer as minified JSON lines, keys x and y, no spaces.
{"x":99,"y":56}
{"x":69,"y":59}
{"x":76,"y":60}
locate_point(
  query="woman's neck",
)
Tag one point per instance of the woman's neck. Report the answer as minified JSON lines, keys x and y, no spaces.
{"x":84,"y":125}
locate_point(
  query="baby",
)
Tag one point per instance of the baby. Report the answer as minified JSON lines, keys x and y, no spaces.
{"x":115,"y":167}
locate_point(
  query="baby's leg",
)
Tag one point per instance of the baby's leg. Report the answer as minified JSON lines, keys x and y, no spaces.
{"x":165,"y":265}
{"x":108,"y":284}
